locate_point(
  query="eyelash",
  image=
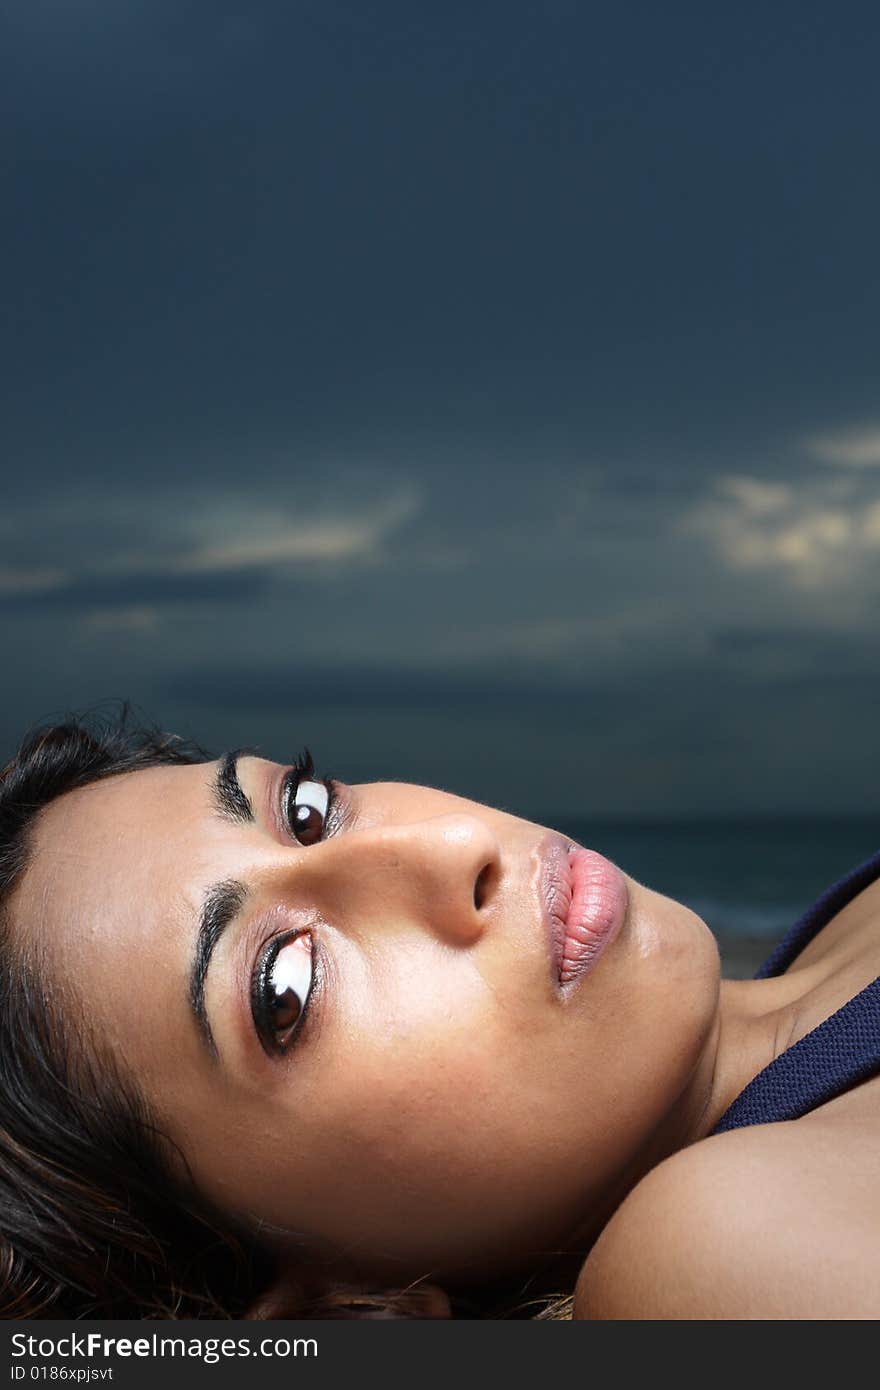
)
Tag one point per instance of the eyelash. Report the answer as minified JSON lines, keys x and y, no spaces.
{"x":303,"y":770}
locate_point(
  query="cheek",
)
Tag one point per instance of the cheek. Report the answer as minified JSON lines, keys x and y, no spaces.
{"x":421,"y":1164}
{"x":426,"y":1032}
{"x":450,"y":1128}
{"x":427,"y":1061}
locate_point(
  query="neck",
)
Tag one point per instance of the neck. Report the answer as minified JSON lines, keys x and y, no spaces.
{"x":755,"y":1022}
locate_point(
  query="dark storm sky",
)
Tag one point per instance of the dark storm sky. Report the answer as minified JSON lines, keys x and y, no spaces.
{"x":486,"y":394}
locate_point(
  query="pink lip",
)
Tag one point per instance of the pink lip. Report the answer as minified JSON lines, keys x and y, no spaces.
{"x":586,"y":901}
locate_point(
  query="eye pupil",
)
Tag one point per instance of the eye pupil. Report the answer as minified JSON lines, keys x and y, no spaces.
{"x":307,"y":810}
{"x":308,"y":823}
{"x":286,"y":1008}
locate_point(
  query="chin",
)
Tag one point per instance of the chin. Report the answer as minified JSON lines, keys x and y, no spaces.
{"x":671,"y":932}
{"x":677,"y":960}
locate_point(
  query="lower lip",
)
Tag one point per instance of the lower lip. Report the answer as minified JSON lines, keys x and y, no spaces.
{"x":595,"y":913}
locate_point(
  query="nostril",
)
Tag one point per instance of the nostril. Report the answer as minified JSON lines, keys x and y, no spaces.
{"x":481,"y":886}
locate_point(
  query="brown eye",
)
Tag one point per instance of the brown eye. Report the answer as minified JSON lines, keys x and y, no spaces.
{"x":288,"y":986}
{"x":307,"y":811}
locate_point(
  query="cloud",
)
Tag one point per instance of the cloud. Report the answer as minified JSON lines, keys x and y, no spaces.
{"x":854,"y":448}
{"x":37,"y":581}
{"x":572,"y":642}
{"x":225,"y":549}
{"x":245,"y":537}
{"x":757,"y":497}
{"x":811,"y":534}
{"x":106,"y":590}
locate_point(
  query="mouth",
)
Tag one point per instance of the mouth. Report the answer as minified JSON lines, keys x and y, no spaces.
{"x":585,"y":900}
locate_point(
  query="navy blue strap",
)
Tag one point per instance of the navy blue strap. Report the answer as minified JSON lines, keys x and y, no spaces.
{"x":840,"y":1053}
{"x":836,"y":1055}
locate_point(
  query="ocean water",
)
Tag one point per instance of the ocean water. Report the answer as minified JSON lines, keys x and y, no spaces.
{"x":749,"y":879}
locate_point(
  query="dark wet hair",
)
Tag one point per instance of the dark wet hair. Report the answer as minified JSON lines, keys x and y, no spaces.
{"x":93,"y":1221}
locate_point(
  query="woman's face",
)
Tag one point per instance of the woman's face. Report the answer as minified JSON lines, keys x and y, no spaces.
{"x":444,"y":1107}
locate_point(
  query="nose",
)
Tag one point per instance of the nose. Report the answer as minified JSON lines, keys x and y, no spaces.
{"x":442,"y":873}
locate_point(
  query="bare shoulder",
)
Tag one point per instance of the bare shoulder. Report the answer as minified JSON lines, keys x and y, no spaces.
{"x":774,"y":1221}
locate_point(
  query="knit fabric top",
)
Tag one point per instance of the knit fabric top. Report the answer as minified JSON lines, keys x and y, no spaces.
{"x":836,"y":1055}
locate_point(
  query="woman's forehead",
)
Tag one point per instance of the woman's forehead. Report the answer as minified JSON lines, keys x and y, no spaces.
{"x":117,"y":817}
{"x":108,"y":909}
{"x":117,"y":865}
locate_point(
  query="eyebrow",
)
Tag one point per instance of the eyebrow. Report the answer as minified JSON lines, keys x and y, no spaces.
{"x":223,"y":901}
{"x":228,"y":797}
